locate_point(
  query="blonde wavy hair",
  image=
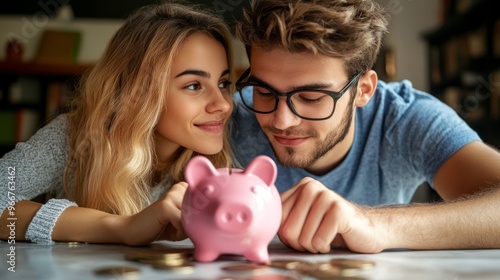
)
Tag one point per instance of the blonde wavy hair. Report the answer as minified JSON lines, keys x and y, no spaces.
{"x":112,"y":157}
{"x":351,"y":30}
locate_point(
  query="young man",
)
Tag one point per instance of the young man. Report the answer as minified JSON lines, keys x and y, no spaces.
{"x":347,"y":142}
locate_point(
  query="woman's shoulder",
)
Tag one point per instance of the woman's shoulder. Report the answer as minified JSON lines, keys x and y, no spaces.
{"x":60,"y":122}
{"x":40,"y":160}
{"x":51,"y":137}
{"x":56,"y":129}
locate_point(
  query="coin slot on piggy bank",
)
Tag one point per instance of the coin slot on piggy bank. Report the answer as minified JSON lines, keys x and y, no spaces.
{"x":231,"y":211}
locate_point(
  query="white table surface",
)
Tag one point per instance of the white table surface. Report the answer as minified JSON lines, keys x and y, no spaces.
{"x":61,"y":261}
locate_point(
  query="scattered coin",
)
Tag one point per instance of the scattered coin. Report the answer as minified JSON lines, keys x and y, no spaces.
{"x":155,"y":255}
{"x":226,"y":277}
{"x":273,"y":277}
{"x":244,"y":267}
{"x":177,"y":261}
{"x":292,"y":264}
{"x":329,"y":272}
{"x":352,"y":263}
{"x":183,"y":268}
{"x":180,"y":261}
{"x":71,"y":243}
{"x":122,"y":271}
{"x":165,"y":261}
{"x":333,"y":269}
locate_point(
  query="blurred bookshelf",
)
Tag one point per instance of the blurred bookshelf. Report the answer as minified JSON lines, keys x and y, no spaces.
{"x":464,"y":63}
{"x":32,"y":94}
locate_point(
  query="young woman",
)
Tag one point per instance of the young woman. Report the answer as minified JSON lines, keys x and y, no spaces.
{"x":160,"y":95}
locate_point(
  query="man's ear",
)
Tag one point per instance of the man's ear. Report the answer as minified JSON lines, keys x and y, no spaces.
{"x":366,"y":88}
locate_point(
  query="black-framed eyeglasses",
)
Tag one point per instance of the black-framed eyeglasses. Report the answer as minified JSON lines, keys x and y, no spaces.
{"x":308,"y":104}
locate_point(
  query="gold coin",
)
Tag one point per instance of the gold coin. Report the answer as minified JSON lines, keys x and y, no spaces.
{"x":292,"y":264}
{"x":125,"y":271}
{"x":273,"y":277}
{"x":154,"y":255}
{"x":166,"y":262}
{"x":244,"y":267}
{"x":71,"y":243}
{"x":183,"y":268}
{"x":328,"y":271}
{"x":352,"y":263}
{"x":226,"y":277}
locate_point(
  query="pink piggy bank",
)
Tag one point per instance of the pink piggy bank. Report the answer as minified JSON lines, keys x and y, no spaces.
{"x":231,"y":211}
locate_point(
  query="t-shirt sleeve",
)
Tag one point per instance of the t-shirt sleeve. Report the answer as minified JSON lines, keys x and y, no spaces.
{"x":425,"y":131}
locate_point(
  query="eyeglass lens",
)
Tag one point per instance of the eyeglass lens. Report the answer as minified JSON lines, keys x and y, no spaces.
{"x":314,"y":105}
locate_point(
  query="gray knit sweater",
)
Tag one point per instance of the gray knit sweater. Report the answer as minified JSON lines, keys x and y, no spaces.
{"x":36,"y":167}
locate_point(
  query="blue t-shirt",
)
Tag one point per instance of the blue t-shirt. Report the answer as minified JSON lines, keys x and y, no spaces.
{"x":402,"y":137}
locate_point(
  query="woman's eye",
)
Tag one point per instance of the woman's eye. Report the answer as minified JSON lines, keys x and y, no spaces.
{"x":195,"y":86}
{"x":224,"y":85}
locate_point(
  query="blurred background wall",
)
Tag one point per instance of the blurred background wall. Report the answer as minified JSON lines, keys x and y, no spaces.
{"x":449,"y":48}
{"x":98,"y":20}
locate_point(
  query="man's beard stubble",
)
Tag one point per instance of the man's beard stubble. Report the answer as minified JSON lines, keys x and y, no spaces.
{"x":334,"y":137}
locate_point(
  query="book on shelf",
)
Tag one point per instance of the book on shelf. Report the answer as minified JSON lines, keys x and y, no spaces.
{"x":496,"y":39}
{"x":435,"y":67}
{"x":470,"y":104}
{"x":58,"y":99}
{"x":58,"y":46}
{"x":53,"y":100}
{"x":476,"y":43}
{"x":8,"y":124}
{"x":26,"y":124}
{"x":17,"y":125}
{"x":462,"y":5}
{"x":25,"y":91}
{"x":495,"y":95}
{"x":456,"y":7}
{"x":450,"y":60}
{"x":460,"y":52}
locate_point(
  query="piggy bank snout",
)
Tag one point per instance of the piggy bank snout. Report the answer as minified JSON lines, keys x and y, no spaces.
{"x":233,"y":217}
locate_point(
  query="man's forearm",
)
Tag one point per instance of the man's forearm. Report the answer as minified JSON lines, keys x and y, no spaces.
{"x":462,"y":224}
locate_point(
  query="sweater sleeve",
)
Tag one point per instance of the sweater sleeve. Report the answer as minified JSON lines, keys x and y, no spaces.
{"x":40,"y":229}
{"x":36,"y":167}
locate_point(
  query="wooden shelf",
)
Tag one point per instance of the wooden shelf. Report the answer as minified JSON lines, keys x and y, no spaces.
{"x":463,"y":57}
{"x":479,"y":66}
{"x":38,"y":69}
{"x":31,"y":94}
{"x":481,"y":12}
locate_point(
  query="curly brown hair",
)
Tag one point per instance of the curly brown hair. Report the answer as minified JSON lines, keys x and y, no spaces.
{"x":351,"y":30}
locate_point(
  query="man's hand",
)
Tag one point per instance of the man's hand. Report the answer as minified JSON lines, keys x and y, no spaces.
{"x":315,"y":218}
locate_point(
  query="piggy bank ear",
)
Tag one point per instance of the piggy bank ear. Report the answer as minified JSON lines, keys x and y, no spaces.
{"x":263,"y":167}
{"x":197,"y":169}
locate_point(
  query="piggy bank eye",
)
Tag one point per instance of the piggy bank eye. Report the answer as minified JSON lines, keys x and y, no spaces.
{"x":256,"y":189}
{"x":208,"y":190}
